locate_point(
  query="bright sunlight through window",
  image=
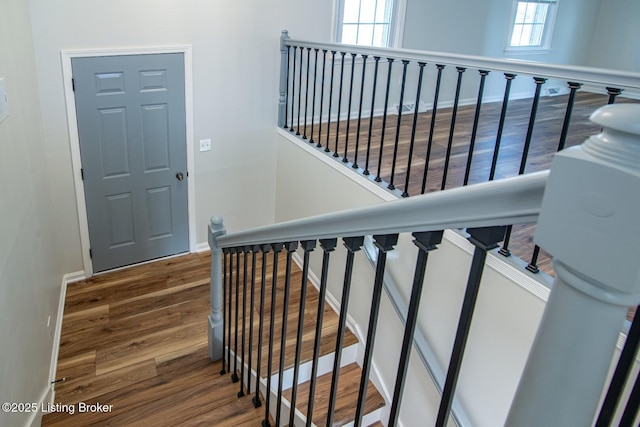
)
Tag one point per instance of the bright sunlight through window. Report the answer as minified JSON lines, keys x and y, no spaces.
{"x":532,"y":23}
{"x":366,"y":22}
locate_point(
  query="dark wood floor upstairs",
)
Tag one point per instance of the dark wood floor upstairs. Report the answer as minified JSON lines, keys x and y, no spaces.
{"x":545,"y":139}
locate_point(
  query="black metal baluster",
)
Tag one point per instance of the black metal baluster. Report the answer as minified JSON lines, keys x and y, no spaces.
{"x":324,"y":67}
{"x":476,"y":121}
{"x":263,"y":286}
{"x":454,"y":114}
{"x":224,"y":305}
{"x":353,"y":245}
{"x":333,"y":66}
{"x":384,"y":243}
{"x":621,"y":373}
{"x":277,"y":248}
{"x":306,"y":95}
{"x":426,"y":242}
{"x":313,"y":103}
{"x":293,"y":84}
{"x":355,"y":155}
{"x":573,"y":88}
{"x":405,"y":63}
{"x":434,"y":111}
{"x":533,"y":265}
{"x":299,"y":88}
{"x":234,"y":376}
{"x":286,"y":96}
{"x":307,"y":246}
{"x":230,"y":294}
{"x":539,"y":81}
{"x":484,"y":239}
{"x":633,"y":404}
{"x":613,"y":92}
{"x":503,"y":115}
{"x":246,"y":250}
{"x":254,"y":250}
{"x":384,"y":119}
{"x":346,"y":140}
{"x":335,"y":151}
{"x":416,"y":109}
{"x":328,"y":246}
{"x":290,"y":247}
{"x":373,"y":102}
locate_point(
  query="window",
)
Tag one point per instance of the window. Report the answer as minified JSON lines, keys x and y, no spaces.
{"x":532,"y":24}
{"x":366,"y":22}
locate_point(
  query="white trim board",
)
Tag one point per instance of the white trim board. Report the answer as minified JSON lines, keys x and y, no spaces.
{"x":74,"y":142}
{"x":202,"y":247}
{"x":49,"y":393}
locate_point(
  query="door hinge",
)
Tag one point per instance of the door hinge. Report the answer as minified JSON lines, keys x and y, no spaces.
{"x":90,"y":253}
{"x":82,"y":173}
{"x":73,"y":84}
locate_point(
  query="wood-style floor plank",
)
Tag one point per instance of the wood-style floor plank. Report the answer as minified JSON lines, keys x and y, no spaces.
{"x":347,"y":398}
{"x":544,"y":144}
{"x":330,"y":319}
{"x":137,"y":339}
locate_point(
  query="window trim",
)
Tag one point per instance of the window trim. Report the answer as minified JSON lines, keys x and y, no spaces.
{"x":548,"y":29}
{"x":396,"y":30}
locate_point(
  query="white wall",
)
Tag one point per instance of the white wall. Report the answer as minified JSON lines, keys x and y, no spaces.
{"x":481,"y":28}
{"x":30,"y":271}
{"x":236,"y":65}
{"x":616,"y":37}
{"x":506,"y":316}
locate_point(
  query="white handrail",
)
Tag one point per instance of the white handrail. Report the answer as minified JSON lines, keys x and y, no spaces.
{"x":509,"y":201}
{"x":614,"y":78}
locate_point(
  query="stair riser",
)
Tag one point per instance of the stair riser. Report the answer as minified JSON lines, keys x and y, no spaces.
{"x":325,"y":365}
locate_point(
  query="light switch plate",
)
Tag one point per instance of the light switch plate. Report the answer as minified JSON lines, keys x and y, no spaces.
{"x":4,"y":101}
{"x":205,"y":144}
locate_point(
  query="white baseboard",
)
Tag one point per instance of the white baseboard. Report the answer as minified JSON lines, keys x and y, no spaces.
{"x":48,"y":394}
{"x":202,"y":247}
{"x":35,"y":418}
{"x":66,"y":280}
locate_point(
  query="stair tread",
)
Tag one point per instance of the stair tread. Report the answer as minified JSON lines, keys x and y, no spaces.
{"x":329,"y":327}
{"x":347,"y":398}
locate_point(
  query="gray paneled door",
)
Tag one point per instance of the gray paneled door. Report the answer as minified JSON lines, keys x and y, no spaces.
{"x":131,"y":125}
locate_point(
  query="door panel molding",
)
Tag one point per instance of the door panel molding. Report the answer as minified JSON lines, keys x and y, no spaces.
{"x":74,"y":142}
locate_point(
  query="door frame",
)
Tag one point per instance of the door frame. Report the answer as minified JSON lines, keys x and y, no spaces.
{"x":74,"y":141}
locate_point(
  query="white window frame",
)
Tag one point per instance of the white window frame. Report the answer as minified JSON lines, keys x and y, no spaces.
{"x":396,"y":26}
{"x":549,"y":24}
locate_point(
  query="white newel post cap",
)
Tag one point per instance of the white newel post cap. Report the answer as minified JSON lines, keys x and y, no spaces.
{"x":216,"y":229}
{"x":590,"y":215}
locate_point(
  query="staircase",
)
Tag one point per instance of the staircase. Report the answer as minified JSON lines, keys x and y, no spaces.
{"x":248,"y":357}
{"x":299,"y":389}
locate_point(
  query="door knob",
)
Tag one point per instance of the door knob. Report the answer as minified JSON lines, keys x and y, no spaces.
{"x":179,"y":176}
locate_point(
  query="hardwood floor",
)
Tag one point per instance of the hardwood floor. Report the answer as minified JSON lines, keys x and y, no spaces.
{"x":544,"y":144}
{"x":136,"y":339}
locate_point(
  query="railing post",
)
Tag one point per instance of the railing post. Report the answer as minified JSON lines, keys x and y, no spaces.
{"x":589,"y":223}
{"x":282,"y":104}
{"x":216,"y":322}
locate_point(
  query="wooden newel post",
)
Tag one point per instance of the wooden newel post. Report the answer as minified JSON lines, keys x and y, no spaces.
{"x":216,"y":322}
{"x":282,"y":103}
{"x":590,"y":223}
